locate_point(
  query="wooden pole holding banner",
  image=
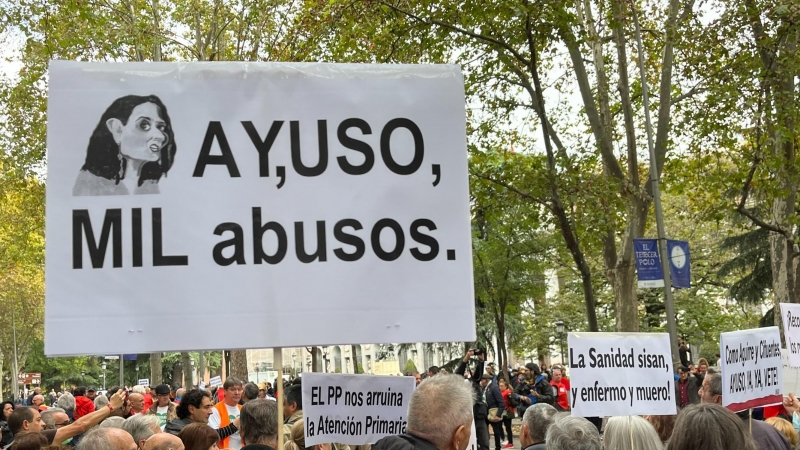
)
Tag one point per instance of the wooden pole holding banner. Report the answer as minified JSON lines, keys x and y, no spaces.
{"x":277,"y":357}
{"x":122,"y":371}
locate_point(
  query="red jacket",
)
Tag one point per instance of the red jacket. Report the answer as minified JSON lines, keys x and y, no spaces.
{"x":83,"y":406}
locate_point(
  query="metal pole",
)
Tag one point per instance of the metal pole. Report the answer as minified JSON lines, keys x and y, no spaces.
{"x":121,"y":371}
{"x":669,"y":304}
{"x":562,"y":348}
{"x":16,"y":361}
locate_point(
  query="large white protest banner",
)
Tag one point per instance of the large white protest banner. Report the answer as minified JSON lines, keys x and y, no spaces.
{"x":790,"y":315}
{"x":279,"y":194}
{"x":354,"y":409}
{"x":752,"y":371}
{"x":621,"y":374}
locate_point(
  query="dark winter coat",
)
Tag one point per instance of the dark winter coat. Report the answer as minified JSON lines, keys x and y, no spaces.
{"x":403,"y":442}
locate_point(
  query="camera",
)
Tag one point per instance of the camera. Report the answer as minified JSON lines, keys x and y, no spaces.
{"x":477,"y":352}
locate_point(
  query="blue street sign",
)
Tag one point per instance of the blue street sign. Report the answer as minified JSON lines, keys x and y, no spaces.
{"x":679,"y":264}
{"x":648,"y":264}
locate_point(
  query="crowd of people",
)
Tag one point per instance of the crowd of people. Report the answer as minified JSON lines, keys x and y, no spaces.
{"x":441,"y":413}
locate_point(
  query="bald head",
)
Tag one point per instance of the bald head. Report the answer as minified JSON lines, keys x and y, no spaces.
{"x":164,"y":441}
{"x":137,"y":402}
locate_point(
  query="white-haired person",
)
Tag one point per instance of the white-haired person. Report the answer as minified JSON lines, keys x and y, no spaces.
{"x":432,"y":423}
{"x":573,"y":433}
{"x":631,"y":433}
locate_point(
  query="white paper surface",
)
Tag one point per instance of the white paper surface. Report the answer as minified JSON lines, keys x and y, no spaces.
{"x":409,"y":119}
{"x":354,"y":409}
{"x":790,"y":315}
{"x":144,"y":382}
{"x":752,"y":370}
{"x":615,"y":374}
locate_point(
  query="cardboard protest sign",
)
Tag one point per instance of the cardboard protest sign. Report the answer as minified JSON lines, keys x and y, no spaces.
{"x":319,"y":194}
{"x":144,"y":382}
{"x":620,"y":374}
{"x":752,"y":371}
{"x":790,"y":313}
{"x":215,"y":381}
{"x":354,"y":409}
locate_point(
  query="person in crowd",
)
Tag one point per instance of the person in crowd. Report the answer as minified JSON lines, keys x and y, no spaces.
{"x":767,"y":437}
{"x":250,"y":392}
{"x":8,"y":408}
{"x":198,"y":436}
{"x":55,"y":418}
{"x":292,"y":409}
{"x":179,"y":393}
{"x":708,"y":426}
{"x":546,"y":372}
{"x":164,"y":441}
{"x":141,"y":427}
{"x":573,"y":433}
{"x":786,"y":428}
{"x":36,"y":391}
{"x":509,"y":413}
{"x":67,"y":402}
{"x":100,"y":401}
{"x":136,"y":401}
{"x":38,"y":402}
{"x":433,"y":424}
{"x":227,"y":411}
{"x":29,"y":440}
{"x":197,"y":407}
{"x":416,"y":375}
{"x":562,"y":386}
{"x":432,"y":371}
{"x":83,"y":405}
{"x":91,"y":393}
{"x":663,"y":426}
{"x":491,"y":395}
{"x":534,"y":389}
{"x":686,"y":388}
{"x":29,"y":419}
{"x":148,"y":396}
{"x":262,"y":393}
{"x":684,"y":353}
{"x":163,"y":408}
{"x":479,"y":409}
{"x":112,"y":422}
{"x":297,"y":440}
{"x":535,"y":422}
{"x":52,"y":397}
{"x":259,"y":425}
{"x":630,"y":433}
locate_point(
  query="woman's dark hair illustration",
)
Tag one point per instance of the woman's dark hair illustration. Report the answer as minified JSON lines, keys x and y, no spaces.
{"x":103,"y":157}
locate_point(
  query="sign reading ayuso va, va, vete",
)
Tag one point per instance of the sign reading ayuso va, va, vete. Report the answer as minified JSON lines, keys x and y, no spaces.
{"x":328,"y":198}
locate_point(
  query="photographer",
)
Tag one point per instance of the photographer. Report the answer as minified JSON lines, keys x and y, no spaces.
{"x":534,"y":389}
{"x":479,"y":410}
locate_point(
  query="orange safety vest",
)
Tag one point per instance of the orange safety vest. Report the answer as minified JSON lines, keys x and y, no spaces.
{"x":224,"y":421}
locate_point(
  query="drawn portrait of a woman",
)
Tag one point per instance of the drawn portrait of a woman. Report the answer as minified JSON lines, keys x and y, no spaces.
{"x":131,"y":148}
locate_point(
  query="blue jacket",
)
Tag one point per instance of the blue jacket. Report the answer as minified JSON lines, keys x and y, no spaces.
{"x":494,"y":399}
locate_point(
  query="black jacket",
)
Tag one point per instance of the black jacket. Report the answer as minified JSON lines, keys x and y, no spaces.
{"x":494,"y":399}
{"x":542,"y":388}
{"x":479,"y":409}
{"x":693,"y":391}
{"x":403,"y":442}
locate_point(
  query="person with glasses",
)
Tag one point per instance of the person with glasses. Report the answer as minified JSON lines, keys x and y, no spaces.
{"x":227,"y":411}
{"x":55,"y":418}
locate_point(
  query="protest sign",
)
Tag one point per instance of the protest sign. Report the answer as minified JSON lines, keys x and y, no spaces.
{"x":620,"y":374}
{"x":144,"y":382}
{"x":752,"y":371}
{"x":215,"y":381}
{"x":354,"y":409}
{"x":791,"y":375}
{"x":473,"y":438}
{"x":790,"y":315}
{"x":325,"y":194}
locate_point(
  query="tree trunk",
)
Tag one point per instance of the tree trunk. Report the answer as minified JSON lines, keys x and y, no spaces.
{"x":186,"y":370}
{"x":356,"y":360}
{"x":314,"y":360}
{"x":239,"y":365}
{"x":156,"y":369}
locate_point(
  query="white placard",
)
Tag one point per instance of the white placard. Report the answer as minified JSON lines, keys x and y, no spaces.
{"x":144,"y":382}
{"x":615,"y":374}
{"x":354,"y":409}
{"x":321,"y":194}
{"x":790,"y":316}
{"x":473,"y":438}
{"x":752,"y":371}
{"x":791,"y":376}
{"x":215,"y":381}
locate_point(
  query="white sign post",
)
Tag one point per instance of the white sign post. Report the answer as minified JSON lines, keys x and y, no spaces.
{"x":790,"y":315}
{"x":354,"y":409}
{"x":252,"y":188}
{"x":752,"y":371}
{"x":621,"y":374}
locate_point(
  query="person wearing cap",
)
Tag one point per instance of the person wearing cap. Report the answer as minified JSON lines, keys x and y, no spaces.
{"x":91,"y":393}
{"x":163,"y":408}
{"x":491,"y":395}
